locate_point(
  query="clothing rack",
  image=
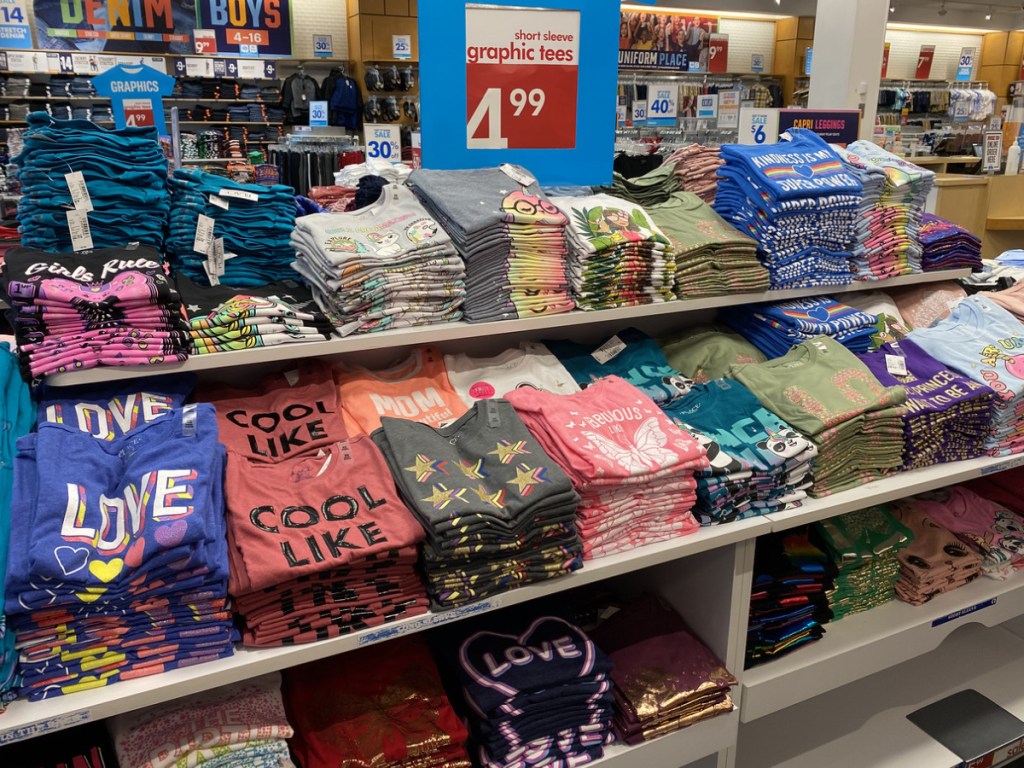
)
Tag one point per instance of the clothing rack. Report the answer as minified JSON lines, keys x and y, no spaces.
{"x":311,"y":161}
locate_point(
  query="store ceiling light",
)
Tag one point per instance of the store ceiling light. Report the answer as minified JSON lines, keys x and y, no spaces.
{"x":907,"y":27}
{"x":988,"y":16}
{"x":942,"y":9}
{"x":892,"y":7}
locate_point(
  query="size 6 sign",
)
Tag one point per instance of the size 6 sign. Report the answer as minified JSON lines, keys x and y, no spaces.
{"x":383,"y":142}
{"x":522,"y":75}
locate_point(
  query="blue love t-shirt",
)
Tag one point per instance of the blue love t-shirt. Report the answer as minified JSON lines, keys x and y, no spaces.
{"x":111,"y":410}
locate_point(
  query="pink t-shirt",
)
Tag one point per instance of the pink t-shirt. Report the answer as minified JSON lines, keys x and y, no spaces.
{"x":310,"y":514}
{"x":609,"y":433}
{"x":288,"y":415}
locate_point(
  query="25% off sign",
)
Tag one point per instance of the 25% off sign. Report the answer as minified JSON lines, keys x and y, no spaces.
{"x":522,"y":78}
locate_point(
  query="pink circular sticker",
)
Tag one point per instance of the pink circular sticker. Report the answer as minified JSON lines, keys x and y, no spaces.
{"x":481,"y":390}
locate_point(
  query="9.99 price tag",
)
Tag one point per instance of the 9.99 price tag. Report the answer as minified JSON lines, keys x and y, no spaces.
{"x":522,"y":76}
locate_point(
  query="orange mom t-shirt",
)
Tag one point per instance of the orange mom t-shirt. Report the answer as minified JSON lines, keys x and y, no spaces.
{"x":416,"y":389}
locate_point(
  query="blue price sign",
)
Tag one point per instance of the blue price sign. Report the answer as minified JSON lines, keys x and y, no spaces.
{"x":318,"y":114}
{"x":383,"y":142}
{"x":965,"y":67}
{"x":323,"y":46}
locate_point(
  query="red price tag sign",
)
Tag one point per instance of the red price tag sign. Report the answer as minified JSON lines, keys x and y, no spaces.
{"x":522,"y":78}
{"x":924,"y":62}
{"x":138,"y":113}
{"x":718,"y":53}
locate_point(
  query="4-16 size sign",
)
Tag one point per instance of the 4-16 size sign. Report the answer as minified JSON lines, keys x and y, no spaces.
{"x":522,"y":74}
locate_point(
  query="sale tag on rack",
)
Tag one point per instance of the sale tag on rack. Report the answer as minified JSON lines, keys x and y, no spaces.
{"x":204,"y":41}
{"x":965,"y":67}
{"x":707,"y":106}
{"x":757,"y":62}
{"x":924,"y":62}
{"x":992,"y":158}
{"x":729,"y":109}
{"x":383,"y":142}
{"x":639,"y":113}
{"x":323,"y":46}
{"x":758,"y":126}
{"x":318,"y":114}
{"x":401,"y":46}
{"x":522,"y":71}
{"x":662,"y":103}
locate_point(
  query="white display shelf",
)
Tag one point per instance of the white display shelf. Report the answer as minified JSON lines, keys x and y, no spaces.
{"x":673,"y":750}
{"x":898,"y":486}
{"x":25,"y":719}
{"x":874,"y":640}
{"x":864,"y":723}
{"x":442,"y":332}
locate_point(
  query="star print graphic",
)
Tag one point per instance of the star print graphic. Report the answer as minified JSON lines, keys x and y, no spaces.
{"x":442,"y":496}
{"x":424,"y":468}
{"x":526,"y":478}
{"x":193,"y":308}
{"x":496,"y":500}
{"x":507,"y":451}
{"x":473,"y":470}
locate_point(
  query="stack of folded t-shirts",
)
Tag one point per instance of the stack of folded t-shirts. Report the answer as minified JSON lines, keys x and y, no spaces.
{"x":864,"y":546}
{"x":114,"y":306}
{"x":254,"y":221}
{"x":895,"y":192}
{"x":982,"y":341}
{"x":712,"y":257}
{"x":664,"y":677}
{"x":821,"y":389}
{"x":935,"y":560}
{"x":98,"y":596}
{"x":631,"y":355}
{"x":991,"y":530}
{"x":707,"y":352}
{"x":1002,"y":488}
{"x":948,"y":416}
{"x":125,"y":176}
{"x":947,"y":245}
{"x":18,"y":412}
{"x":789,"y":595}
{"x":774,"y":328}
{"x":320,"y":543}
{"x":510,"y":235}
{"x":386,"y":265}
{"x":651,"y":188}
{"x":922,"y":305}
{"x":633,"y":467}
{"x":696,"y":168}
{"x":223,"y":318}
{"x":617,"y":256}
{"x":497,"y":510}
{"x":758,"y":463}
{"x":559,"y":707}
{"x":528,"y":365}
{"x":242,"y":725}
{"x":383,"y":705}
{"x":798,"y":201}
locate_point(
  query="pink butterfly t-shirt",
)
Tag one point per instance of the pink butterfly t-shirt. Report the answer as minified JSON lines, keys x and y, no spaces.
{"x":610,"y":433}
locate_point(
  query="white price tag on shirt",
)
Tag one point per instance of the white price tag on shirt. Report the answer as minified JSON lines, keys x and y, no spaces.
{"x":220,"y":202}
{"x":79,"y":191}
{"x":203,"y":242}
{"x":896,"y":365}
{"x":81,"y":234}
{"x":217,"y":256}
{"x":609,"y":350}
{"x":240,"y":194}
{"x":517,"y":175}
{"x":208,"y":268}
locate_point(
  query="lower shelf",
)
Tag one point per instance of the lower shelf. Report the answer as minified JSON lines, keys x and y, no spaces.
{"x":875,"y":640}
{"x":864,"y":723}
{"x":676,"y":749}
{"x":26,"y":719}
